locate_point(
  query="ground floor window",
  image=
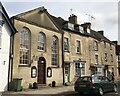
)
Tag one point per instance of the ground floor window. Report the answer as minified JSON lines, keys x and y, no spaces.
{"x":79,"y":69}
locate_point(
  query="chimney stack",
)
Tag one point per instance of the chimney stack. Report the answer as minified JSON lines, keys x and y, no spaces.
{"x":73,"y":19}
{"x":101,"y":32}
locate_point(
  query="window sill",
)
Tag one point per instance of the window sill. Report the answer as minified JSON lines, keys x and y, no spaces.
{"x":41,"y":50}
{"x":67,"y":51}
{"x":24,"y":65}
{"x":78,"y":53}
{"x":77,"y":75}
{"x":54,"y":66}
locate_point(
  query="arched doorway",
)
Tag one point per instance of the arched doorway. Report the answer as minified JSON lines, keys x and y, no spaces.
{"x":41,"y":71}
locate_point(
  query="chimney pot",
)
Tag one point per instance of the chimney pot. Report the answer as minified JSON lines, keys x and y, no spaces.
{"x":73,"y":19}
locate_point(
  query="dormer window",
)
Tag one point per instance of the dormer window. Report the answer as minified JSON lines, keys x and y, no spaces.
{"x":70,"y":26}
{"x":81,"y":29}
{"x":88,"y":30}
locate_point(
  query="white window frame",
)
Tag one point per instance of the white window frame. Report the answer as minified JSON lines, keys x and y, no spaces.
{"x":96,"y":59}
{"x":78,"y":46}
{"x":70,"y":26}
{"x":95,"y":45}
{"x":41,"y":41}
{"x":66,"y":44}
{"x":24,"y":47}
{"x":55,"y":52}
{"x":105,"y":56}
{"x":81,"y":29}
{"x":80,"y":69}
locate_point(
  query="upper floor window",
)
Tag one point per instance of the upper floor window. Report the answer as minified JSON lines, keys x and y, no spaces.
{"x":111,"y":58}
{"x":104,"y":44}
{"x":78,"y":46}
{"x":81,"y":29}
{"x":95,"y":45}
{"x":24,"y":46}
{"x":55,"y":51}
{"x":110,"y":46}
{"x":105,"y":56}
{"x":41,"y":41}
{"x":66,"y":44}
{"x":96,"y":59}
{"x":71,"y":26}
{"x":118,"y":57}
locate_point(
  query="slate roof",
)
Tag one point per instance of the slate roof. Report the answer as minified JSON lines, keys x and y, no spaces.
{"x":5,"y":15}
{"x":59,"y":22}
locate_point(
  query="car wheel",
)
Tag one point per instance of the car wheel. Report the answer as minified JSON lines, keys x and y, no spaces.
{"x":115,"y":88}
{"x":100,"y":91}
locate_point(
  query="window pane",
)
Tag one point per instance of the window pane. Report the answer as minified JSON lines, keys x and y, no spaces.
{"x":24,"y":46}
{"x":66,"y":44}
{"x":78,"y":46}
{"x":55,"y":51}
{"x":41,"y":41}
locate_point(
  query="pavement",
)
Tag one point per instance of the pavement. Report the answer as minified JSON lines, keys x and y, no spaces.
{"x":49,"y":91}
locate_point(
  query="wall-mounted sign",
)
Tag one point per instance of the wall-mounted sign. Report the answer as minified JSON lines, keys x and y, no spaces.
{"x":33,"y":72}
{"x":49,"y":72}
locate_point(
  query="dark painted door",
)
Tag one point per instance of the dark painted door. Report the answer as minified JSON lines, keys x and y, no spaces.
{"x":41,"y":71}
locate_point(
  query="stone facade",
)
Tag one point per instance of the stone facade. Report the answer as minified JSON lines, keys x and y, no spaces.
{"x":79,"y":52}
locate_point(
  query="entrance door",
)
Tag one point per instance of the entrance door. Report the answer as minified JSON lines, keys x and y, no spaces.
{"x":41,"y":71}
{"x":67,"y":73}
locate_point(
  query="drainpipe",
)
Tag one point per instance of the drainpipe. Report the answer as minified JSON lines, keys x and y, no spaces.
{"x":10,"y":62}
{"x":10,"y":67}
{"x":63,"y":58}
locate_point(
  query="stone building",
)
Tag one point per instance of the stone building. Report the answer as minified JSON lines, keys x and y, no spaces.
{"x":49,"y":48}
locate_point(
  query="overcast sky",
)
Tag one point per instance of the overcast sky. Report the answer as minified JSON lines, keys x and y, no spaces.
{"x":105,"y":13}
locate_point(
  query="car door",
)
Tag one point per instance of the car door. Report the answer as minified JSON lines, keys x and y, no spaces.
{"x":110,"y":84}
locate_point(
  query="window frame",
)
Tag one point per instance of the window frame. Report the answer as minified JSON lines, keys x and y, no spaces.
{"x":106,"y":57}
{"x":96,"y":59}
{"x":79,"y":68}
{"x":95,"y":45}
{"x":105,"y":44}
{"x":78,"y":46}
{"x":110,"y":46}
{"x":55,"y":52}
{"x":41,"y":42}
{"x":111,"y":56}
{"x":25,"y":43}
{"x":66,"y":44}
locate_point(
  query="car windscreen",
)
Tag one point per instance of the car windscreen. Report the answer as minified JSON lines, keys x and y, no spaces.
{"x":97,"y":79}
{"x":85,"y":79}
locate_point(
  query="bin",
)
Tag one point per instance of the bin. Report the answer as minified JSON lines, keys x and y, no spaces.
{"x":17,"y":84}
{"x":53,"y":83}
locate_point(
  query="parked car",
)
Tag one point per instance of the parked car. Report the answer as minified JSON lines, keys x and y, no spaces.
{"x":94,"y":85}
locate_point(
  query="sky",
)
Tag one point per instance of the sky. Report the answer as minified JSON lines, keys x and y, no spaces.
{"x":105,"y":12}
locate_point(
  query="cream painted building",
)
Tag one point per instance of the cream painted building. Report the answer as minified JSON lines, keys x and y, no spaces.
{"x":48,"y":48}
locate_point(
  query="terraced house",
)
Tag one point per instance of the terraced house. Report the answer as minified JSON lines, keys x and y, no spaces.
{"x":49,"y":48}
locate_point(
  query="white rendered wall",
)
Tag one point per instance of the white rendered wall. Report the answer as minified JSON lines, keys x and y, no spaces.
{"x":4,"y":58}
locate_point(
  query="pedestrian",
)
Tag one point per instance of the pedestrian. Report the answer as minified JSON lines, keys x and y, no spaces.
{"x":112,"y":76}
